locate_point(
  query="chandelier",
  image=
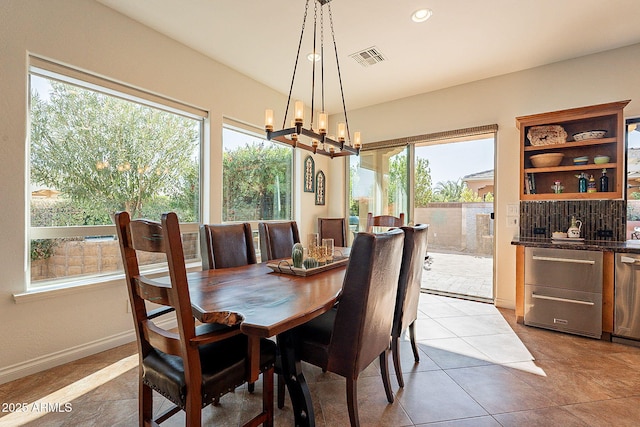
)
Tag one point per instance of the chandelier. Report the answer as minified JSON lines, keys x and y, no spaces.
{"x":320,"y":142}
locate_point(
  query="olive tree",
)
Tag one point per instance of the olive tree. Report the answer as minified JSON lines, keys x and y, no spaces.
{"x":107,"y":154}
{"x":255,"y":182}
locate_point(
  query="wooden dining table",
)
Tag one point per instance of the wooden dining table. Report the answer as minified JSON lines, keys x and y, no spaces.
{"x":265,"y":304}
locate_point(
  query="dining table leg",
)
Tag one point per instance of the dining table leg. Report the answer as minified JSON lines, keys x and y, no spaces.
{"x":296,"y":383}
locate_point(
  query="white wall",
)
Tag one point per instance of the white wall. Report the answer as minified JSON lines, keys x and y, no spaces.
{"x":37,"y":334}
{"x":595,"y":79}
{"x":40,"y":333}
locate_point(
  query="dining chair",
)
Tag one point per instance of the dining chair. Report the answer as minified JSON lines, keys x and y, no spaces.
{"x":231,"y":245}
{"x":409,"y":283}
{"x":350,"y":336}
{"x":384,"y":221}
{"x":197,"y":364}
{"x":333,"y":228}
{"x":226,"y":245}
{"x":277,"y":239}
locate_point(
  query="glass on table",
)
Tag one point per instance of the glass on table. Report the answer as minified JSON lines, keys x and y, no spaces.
{"x":327,"y":244}
{"x":313,"y":240}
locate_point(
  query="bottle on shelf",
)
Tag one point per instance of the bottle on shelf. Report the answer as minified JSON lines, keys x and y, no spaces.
{"x":591,"y":185}
{"x":582,"y":183}
{"x":604,"y":181}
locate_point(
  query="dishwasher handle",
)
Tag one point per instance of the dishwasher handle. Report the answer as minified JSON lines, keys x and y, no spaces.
{"x":629,"y":260}
{"x":572,"y":301}
{"x":569,"y":260}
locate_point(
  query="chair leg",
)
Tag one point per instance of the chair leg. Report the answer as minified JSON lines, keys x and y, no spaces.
{"x":251,"y":387}
{"x":395,"y":350}
{"x":352,"y":401}
{"x":193,"y":409}
{"x":384,"y":371}
{"x":281,"y":391}
{"x":412,"y":336}
{"x":267,"y":396}
{"x":145,"y":404}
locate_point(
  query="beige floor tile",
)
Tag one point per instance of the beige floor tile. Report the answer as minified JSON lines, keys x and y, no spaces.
{"x":478,"y":368}
{"x":497,"y":390}
{"x":500,"y":348}
{"x":606,"y":413}
{"x":455,"y":352}
{"x":432,"y":396}
{"x":464,"y":326}
{"x":544,"y":417}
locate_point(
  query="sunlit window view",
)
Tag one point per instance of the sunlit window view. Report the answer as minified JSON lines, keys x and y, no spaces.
{"x":455,"y":197}
{"x":633,"y":179}
{"x":256,"y":177}
{"x":452,"y":191}
{"x":93,"y":154}
{"x":378,"y":181}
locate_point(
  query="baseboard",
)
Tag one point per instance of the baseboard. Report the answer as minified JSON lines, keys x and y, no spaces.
{"x":51,"y":360}
{"x":505,"y":303}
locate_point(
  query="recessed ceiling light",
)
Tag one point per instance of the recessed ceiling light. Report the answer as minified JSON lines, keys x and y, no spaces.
{"x":313,"y":57}
{"x":421,"y":15}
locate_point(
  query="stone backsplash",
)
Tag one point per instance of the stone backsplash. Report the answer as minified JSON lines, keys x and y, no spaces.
{"x":601,"y":219}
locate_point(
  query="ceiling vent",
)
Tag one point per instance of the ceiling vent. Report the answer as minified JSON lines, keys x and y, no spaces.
{"x":369,"y":56}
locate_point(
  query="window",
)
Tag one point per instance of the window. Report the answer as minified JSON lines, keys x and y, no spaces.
{"x":97,"y":147}
{"x":256,"y":176}
{"x":378,"y":181}
{"x":633,"y":178}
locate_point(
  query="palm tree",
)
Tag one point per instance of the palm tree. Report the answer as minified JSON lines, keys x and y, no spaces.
{"x":449,"y":191}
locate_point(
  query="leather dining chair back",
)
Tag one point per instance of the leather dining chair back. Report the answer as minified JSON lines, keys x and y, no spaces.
{"x":347,"y":338}
{"x":333,"y":228}
{"x":277,"y":239}
{"x":196,"y":365}
{"x":226,"y":245}
{"x":409,"y":283}
{"x":384,"y":221}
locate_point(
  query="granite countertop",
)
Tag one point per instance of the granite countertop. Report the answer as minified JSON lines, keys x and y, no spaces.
{"x":629,"y":246}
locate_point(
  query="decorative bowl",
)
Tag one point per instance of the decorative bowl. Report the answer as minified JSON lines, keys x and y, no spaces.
{"x":590,"y":134}
{"x":599,"y":160}
{"x":558,"y":235}
{"x":546,"y":160}
{"x":582,"y":160}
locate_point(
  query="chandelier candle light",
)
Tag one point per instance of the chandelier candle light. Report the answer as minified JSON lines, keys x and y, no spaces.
{"x":331,"y":146}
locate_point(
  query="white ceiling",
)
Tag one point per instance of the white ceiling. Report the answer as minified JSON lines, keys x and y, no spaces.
{"x":465,"y":40}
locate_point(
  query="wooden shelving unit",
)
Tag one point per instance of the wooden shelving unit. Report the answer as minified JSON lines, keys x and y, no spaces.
{"x":607,"y":117}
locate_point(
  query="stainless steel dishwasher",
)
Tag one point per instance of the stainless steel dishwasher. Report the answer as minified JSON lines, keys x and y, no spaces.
{"x":563,"y":290}
{"x":626,"y":322}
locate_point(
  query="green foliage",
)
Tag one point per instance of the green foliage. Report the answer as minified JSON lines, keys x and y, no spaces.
{"x":633,"y":208}
{"x":105,"y":154}
{"x":423,"y":193}
{"x":42,"y":248}
{"x":256,"y":182}
{"x":398,"y":179}
{"x":455,"y":191}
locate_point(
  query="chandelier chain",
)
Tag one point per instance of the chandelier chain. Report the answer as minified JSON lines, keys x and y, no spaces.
{"x":335,"y":49}
{"x":295,"y":66}
{"x":322,"y":53}
{"x":313,"y":67}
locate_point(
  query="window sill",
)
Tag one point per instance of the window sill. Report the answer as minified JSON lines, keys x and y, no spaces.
{"x":92,"y":284}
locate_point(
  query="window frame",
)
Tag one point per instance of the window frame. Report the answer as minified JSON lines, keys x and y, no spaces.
{"x":256,"y":132}
{"x":51,"y":70}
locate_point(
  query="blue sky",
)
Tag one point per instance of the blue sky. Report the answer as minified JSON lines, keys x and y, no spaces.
{"x":449,"y":162}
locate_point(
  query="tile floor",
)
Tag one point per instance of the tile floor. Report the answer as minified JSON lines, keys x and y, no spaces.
{"x":477,"y":368}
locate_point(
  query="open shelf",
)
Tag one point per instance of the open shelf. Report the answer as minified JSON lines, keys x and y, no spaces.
{"x":608,"y":117}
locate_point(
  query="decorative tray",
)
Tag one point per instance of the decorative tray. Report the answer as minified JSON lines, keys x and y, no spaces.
{"x":286,"y":266}
{"x":547,"y":135}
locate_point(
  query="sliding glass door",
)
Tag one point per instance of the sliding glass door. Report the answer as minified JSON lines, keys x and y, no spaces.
{"x":447,"y":183}
{"x":378,"y":184}
{"x":458,"y":206}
